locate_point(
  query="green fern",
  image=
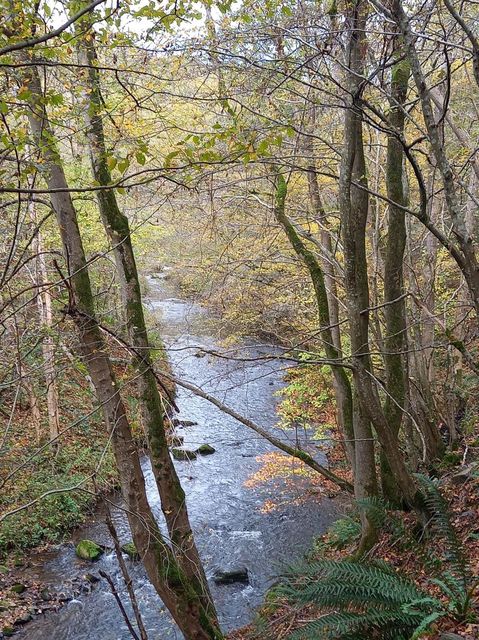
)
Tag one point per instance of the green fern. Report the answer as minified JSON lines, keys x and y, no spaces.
{"x":376,"y":509}
{"x":343,"y":532}
{"x":443,"y":528}
{"x":366,"y":600}
{"x":371,"y":598}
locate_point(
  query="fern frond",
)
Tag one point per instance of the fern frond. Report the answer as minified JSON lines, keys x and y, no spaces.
{"x":376,"y":509}
{"x":331,"y":583}
{"x":345,"y":625}
{"x":443,"y":527}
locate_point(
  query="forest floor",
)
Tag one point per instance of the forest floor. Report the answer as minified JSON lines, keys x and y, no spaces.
{"x":459,"y":484}
{"x":50,"y":490}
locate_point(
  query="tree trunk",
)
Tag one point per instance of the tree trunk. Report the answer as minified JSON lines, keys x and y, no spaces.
{"x":353,"y":203}
{"x":44,"y":305}
{"x":344,"y":397}
{"x":174,"y":587}
{"x":465,"y":241}
{"x":394,"y":301}
{"x":116,"y":224}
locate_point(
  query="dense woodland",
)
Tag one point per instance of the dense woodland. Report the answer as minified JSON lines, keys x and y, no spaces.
{"x":307,"y":171}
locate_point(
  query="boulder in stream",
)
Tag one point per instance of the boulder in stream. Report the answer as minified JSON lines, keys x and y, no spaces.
{"x":18,"y":587}
{"x":231,"y":575}
{"x":88,"y":550}
{"x":183,"y":454}
{"x":205,"y":450}
{"x":23,"y":619}
{"x":130,"y":550}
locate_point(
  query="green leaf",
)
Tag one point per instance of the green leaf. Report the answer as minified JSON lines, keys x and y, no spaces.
{"x":140,"y":158}
{"x":169,"y":158}
{"x":123,"y":165}
{"x":24,"y":93}
{"x":56,"y":99}
{"x":111,"y":162}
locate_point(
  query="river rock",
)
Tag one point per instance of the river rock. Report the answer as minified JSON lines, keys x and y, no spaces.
{"x":18,"y":587}
{"x":23,"y":619}
{"x":183,"y":454}
{"x":176,"y":422}
{"x":177,"y":441}
{"x":231,"y":575}
{"x":130,"y":550}
{"x":88,"y":550}
{"x":466,"y":473}
{"x":91,"y":578}
{"x":45,"y":595}
{"x":205,"y":450}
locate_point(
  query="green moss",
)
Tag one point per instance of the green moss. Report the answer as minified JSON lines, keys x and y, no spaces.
{"x":451,"y":459}
{"x":281,"y":191}
{"x":88,"y":550}
{"x":206,"y":450}
{"x":130,"y":550}
{"x":18,"y":587}
{"x":401,"y":72}
{"x":183,"y":454}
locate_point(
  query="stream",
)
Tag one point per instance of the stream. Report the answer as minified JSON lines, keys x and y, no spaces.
{"x":233,"y":525}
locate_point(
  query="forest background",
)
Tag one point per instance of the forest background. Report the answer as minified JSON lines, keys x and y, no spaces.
{"x":309,"y":171}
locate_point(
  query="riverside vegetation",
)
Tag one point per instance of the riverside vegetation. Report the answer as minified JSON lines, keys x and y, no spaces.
{"x":309,"y":172}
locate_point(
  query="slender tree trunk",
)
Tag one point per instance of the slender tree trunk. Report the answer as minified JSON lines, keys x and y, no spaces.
{"x":342,"y":390}
{"x":365,"y":479}
{"x":116,"y":224}
{"x":344,"y":396}
{"x":394,"y":301}
{"x":174,"y":587}
{"x":44,"y":305}
{"x":353,"y":202}
{"x":465,"y":241}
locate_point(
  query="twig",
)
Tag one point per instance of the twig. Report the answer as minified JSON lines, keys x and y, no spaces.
{"x":120,"y":604}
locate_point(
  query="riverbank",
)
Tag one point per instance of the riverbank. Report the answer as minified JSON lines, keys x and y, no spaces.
{"x":407,"y":554}
{"x":236,"y":524}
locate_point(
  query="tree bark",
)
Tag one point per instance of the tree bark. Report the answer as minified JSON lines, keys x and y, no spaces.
{"x":173,"y":503}
{"x":353,"y":203}
{"x":465,"y":240}
{"x":394,"y":300}
{"x":169,"y":580}
{"x":342,"y":384}
{"x":44,"y":305}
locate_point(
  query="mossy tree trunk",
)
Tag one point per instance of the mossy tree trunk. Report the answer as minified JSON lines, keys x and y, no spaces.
{"x":394,"y":302}
{"x":354,"y":205}
{"x":173,"y":586}
{"x":116,"y":224}
{"x":342,"y":383}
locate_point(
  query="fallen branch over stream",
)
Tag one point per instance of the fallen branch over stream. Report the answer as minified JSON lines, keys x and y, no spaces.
{"x":296,"y":452}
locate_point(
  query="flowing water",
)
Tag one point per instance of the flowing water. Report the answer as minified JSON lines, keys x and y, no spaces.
{"x":231,"y":521}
